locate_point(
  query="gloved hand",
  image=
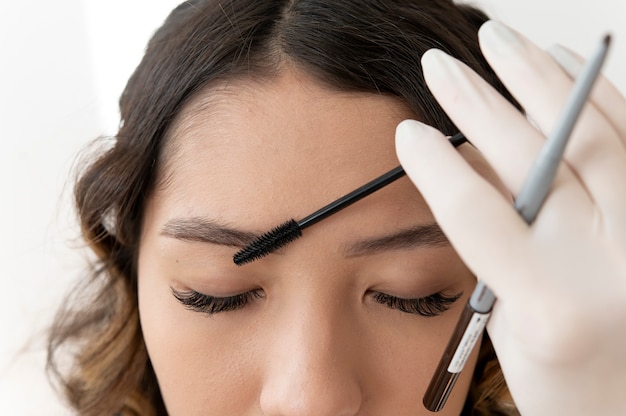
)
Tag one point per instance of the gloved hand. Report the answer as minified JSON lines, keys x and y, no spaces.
{"x":559,"y":325}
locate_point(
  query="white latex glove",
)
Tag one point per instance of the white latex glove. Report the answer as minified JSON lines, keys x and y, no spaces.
{"x":559,"y":325}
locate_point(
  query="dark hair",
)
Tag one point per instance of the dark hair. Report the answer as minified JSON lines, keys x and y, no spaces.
{"x":369,"y":46}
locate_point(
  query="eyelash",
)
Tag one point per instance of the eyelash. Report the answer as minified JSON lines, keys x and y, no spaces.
{"x":210,"y":305}
{"x":429,"y":306}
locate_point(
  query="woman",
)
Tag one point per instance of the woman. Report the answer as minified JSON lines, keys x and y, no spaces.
{"x":247,"y":113}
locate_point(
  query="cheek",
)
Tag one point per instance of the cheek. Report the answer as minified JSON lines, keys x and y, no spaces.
{"x":406,"y":357}
{"x":200,"y":369}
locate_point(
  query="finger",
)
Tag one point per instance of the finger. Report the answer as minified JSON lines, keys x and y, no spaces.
{"x":503,"y":134}
{"x":595,"y":153}
{"x":605,"y":97}
{"x":466,"y":206}
{"x":608,"y":100}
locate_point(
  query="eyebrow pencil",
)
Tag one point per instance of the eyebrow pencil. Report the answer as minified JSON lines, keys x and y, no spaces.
{"x":292,"y":229}
{"x":528,"y":203}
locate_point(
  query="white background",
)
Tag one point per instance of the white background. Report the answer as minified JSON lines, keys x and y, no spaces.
{"x":63,"y":64}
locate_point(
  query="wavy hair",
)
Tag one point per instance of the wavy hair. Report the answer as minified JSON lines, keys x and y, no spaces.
{"x":96,"y":352}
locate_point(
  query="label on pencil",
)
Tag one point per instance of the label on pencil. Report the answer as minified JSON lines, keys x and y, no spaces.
{"x":472,"y":333}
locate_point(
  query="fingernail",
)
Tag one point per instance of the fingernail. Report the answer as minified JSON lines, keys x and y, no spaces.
{"x":566,"y":59}
{"x":498,"y":37}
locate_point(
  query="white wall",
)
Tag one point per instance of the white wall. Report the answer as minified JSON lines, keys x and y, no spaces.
{"x":47,"y":109}
{"x":62,"y":66}
{"x":576,"y":24}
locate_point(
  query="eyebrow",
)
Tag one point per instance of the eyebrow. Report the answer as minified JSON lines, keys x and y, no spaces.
{"x":197,"y":229}
{"x":425,"y":235}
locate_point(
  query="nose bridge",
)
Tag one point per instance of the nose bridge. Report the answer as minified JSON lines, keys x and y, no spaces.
{"x":310,"y":366}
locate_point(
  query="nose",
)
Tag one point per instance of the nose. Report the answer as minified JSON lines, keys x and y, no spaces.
{"x":311,"y":365}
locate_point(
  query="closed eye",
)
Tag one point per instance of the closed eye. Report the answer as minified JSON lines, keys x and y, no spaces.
{"x":211,"y":305}
{"x":429,"y":306}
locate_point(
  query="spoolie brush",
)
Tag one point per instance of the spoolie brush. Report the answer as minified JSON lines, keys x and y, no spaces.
{"x":292,"y":229}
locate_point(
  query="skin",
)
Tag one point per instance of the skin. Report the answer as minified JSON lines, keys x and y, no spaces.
{"x":251,"y":154}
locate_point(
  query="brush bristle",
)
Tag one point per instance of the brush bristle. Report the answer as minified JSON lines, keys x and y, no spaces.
{"x":268,"y":242}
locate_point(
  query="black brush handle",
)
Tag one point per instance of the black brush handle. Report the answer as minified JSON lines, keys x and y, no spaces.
{"x":364,"y":190}
{"x":352,"y":197}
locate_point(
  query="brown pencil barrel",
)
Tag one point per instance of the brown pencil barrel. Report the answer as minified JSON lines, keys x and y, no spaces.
{"x":442,"y":382}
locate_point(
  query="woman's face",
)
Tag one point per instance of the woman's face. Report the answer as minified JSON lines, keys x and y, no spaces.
{"x":315,"y":328}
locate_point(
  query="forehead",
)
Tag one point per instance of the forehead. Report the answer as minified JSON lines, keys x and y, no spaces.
{"x":287,"y":142}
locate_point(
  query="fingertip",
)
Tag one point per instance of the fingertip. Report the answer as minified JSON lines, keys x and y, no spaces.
{"x":430,"y":55}
{"x":499,"y":38}
{"x":406,"y":133}
{"x":408,"y":130}
{"x":438,"y":66}
{"x":410,"y":135}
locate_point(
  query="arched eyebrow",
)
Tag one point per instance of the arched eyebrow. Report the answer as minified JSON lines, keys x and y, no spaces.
{"x":198,"y":229}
